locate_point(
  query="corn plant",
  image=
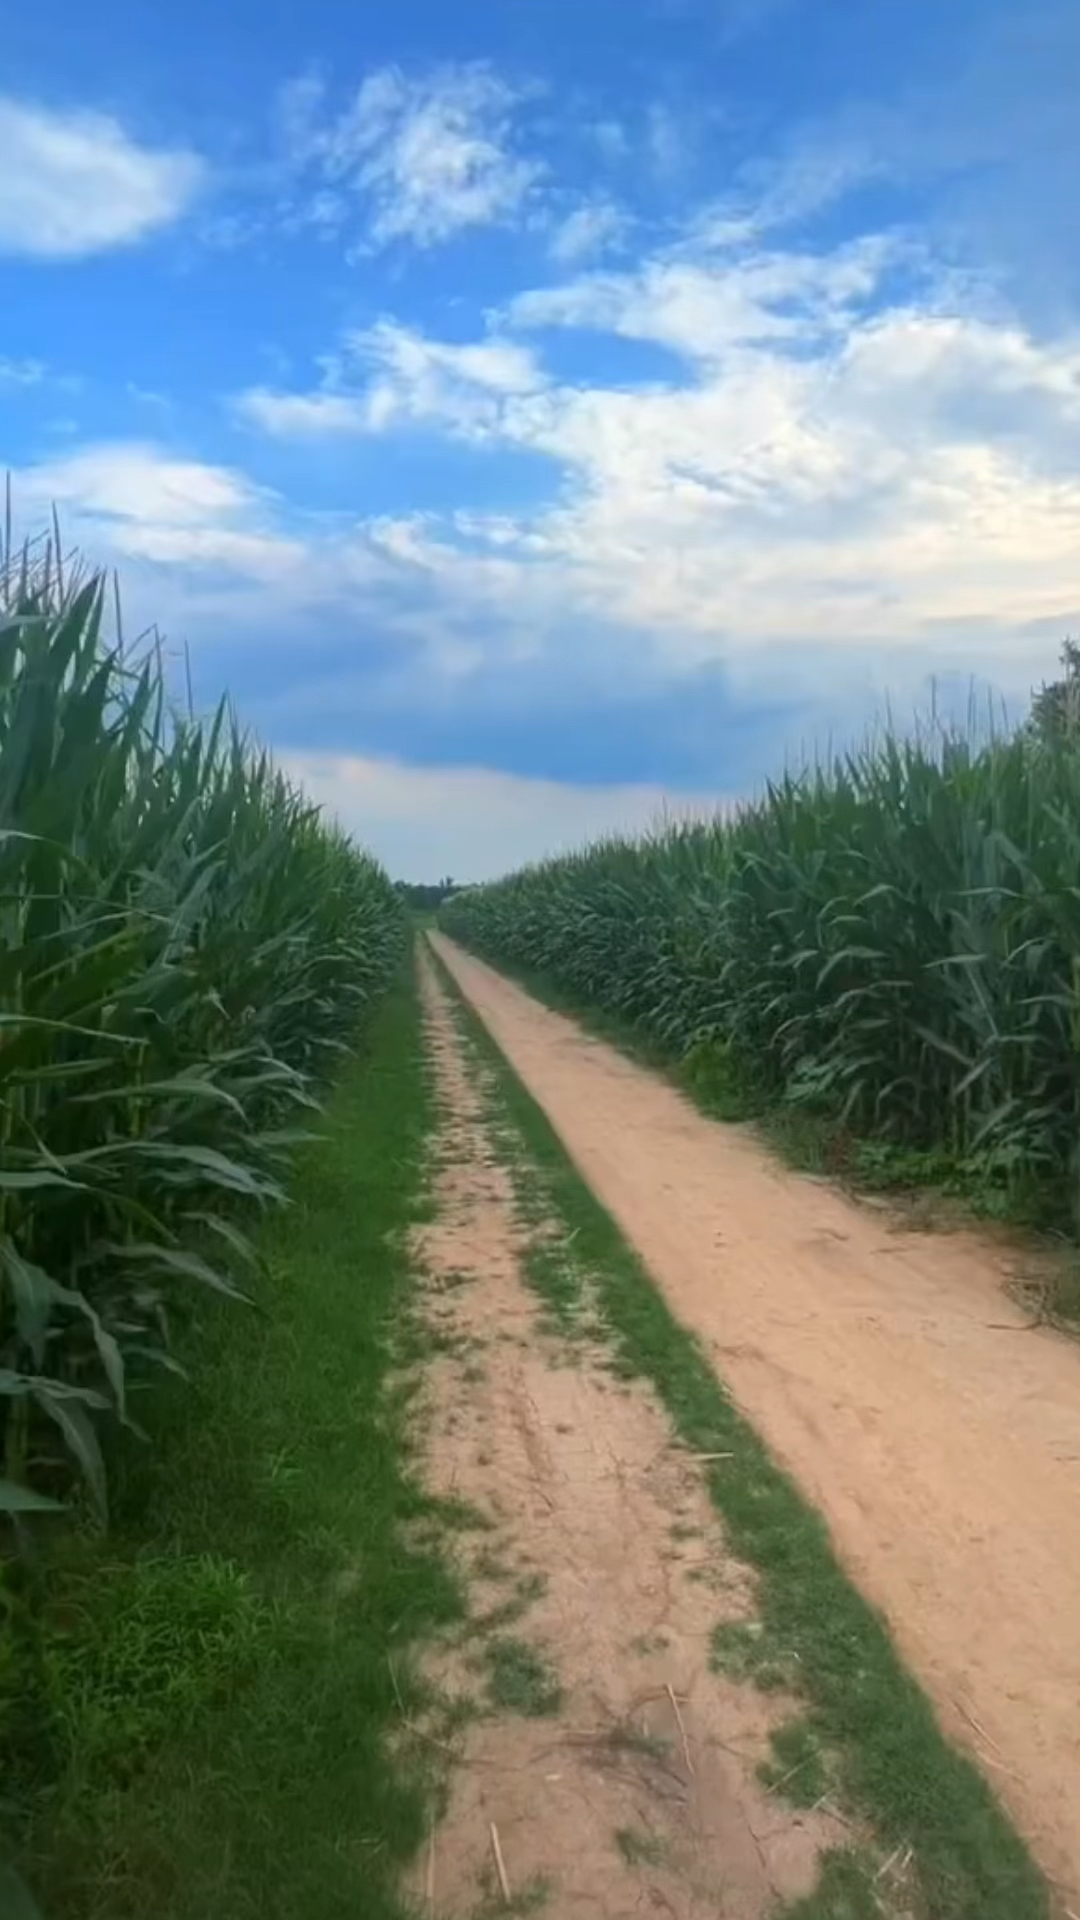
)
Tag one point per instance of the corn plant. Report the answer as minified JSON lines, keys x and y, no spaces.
{"x":893,"y":939}
{"x":185,"y":950}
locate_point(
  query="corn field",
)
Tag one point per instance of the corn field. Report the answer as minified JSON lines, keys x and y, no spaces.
{"x":893,"y":941}
{"x":184,"y":950}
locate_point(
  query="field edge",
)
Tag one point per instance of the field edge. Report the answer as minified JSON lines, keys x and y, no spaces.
{"x":220,"y":1680}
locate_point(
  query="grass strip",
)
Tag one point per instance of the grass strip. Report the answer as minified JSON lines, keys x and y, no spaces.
{"x":206,"y":1731}
{"x":894,"y":1764}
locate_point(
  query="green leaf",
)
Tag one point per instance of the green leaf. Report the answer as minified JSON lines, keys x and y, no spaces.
{"x":186,"y":1087}
{"x":36,"y":1296}
{"x":16,"y":1499}
{"x":71,"y":1416}
{"x":34,"y":1293}
{"x":16,"y":1182}
{"x":16,"y":1900}
{"x":226,"y":1230}
{"x":191,"y":1266}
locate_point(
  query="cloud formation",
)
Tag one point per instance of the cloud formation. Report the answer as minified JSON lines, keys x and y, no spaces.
{"x":425,"y":158}
{"x":392,"y":375}
{"x":845,"y":453}
{"x":594,"y":227}
{"x":74,"y":183}
{"x":134,"y":501}
{"x":672,"y":481}
{"x":425,"y":821}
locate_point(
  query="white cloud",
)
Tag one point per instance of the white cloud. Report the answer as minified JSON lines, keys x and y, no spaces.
{"x":128,"y":500}
{"x":835,"y":471}
{"x":494,"y":365}
{"x":826,"y":503}
{"x":845,"y":468}
{"x":470,"y":822}
{"x":848,"y":462}
{"x":204,"y":552}
{"x":427,"y":157}
{"x":854,"y":479}
{"x":702,"y":307}
{"x":789,"y":187}
{"x":592,"y":228}
{"x":317,"y":415}
{"x":74,"y":183}
{"x":390,"y":375}
{"x":855,"y":459}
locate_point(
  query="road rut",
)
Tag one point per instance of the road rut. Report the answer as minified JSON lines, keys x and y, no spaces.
{"x":889,"y":1372}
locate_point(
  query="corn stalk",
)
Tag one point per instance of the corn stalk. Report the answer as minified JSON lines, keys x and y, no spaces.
{"x":893,"y":939}
{"x":185,"y":949}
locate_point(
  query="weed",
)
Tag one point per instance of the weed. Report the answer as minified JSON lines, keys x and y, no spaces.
{"x":463,"y":1516}
{"x":639,"y":1849}
{"x":490,"y":1565}
{"x":529,"y":1588}
{"x":521,"y":1679}
{"x":799,"y":1767}
{"x":847,"y":1889}
{"x":745,"y":1651}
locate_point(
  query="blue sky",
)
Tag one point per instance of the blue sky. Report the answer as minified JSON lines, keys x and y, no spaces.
{"x":537,"y":413}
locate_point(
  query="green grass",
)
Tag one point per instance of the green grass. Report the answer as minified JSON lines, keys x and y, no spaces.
{"x":202,"y":1730}
{"x":521,"y":1678}
{"x":846,"y":1890}
{"x":528,"y":1588}
{"x":744,"y":1651}
{"x":799,"y":1766}
{"x":639,"y":1849}
{"x":860,"y":1704}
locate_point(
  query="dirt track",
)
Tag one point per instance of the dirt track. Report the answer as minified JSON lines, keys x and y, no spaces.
{"x":888,"y":1371}
{"x":634,"y":1789}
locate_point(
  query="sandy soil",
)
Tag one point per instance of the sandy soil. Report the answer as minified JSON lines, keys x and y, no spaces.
{"x":638,"y":1794}
{"x":890,"y":1373}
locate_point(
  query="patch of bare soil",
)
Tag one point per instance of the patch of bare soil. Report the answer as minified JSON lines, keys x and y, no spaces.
{"x":891,"y":1373}
{"x":610,"y":1772}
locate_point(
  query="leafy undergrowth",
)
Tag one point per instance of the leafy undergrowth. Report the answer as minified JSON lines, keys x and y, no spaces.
{"x":863,"y":1715}
{"x":197,"y":1723}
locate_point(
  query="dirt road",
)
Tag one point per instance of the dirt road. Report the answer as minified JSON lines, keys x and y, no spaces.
{"x":602,"y":1769}
{"x":888,"y":1371}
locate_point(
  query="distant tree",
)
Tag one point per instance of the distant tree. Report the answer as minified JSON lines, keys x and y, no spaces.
{"x":424,"y":898}
{"x":1055,"y":708}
